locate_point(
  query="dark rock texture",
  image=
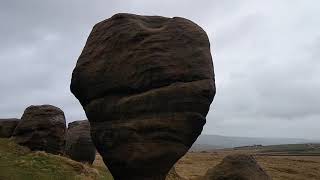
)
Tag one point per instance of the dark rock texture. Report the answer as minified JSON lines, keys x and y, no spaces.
{"x":146,"y":84}
{"x":7,"y":127}
{"x":79,"y":145}
{"x":237,"y":167}
{"x":42,"y":128}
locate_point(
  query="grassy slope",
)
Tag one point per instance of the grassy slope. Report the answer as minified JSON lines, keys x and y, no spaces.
{"x":17,"y":163}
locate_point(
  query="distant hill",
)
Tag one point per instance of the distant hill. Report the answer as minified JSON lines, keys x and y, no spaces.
{"x":207,"y":142}
{"x":306,"y":149}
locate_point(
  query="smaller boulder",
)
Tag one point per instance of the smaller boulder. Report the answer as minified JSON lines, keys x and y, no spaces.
{"x":237,"y":167}
{"x":7,"y":127}
{"x":42,"y":128}
{"x":79,"y":145}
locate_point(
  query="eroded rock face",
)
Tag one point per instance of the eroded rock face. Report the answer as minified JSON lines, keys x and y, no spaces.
{"x":79,"y":145}
{"x":146,"y":84}
{"x":7,"y":127}
{"x":42,"y":128}
{"x":237,"y":167}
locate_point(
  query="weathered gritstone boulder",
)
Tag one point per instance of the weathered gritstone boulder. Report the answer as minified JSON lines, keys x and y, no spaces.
{"x":237,"y":167}
{"x":7,"y":127}
{"x":42,"y":128}
{"x":79,"y":145}
{"x":146,"y":84}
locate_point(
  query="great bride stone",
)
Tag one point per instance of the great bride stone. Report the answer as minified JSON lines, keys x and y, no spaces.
{"x":146,"y":84}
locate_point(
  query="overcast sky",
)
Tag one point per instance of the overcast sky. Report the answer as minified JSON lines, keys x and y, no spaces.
{"x":266,"y":56}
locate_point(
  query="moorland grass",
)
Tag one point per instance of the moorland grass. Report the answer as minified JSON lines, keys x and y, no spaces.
{"x":17,"y":163}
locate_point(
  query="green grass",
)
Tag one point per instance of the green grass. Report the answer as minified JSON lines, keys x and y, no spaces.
{"x":292,"y":149}
{"x":17,"y":162}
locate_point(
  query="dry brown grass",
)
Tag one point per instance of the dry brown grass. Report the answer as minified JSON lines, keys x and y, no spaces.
{"x":291,"y":167}
{"x":195,"y":165}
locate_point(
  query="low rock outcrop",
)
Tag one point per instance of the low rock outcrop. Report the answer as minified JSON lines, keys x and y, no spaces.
{"x":7,"y":127}
{"x":79,"y":145}
{"x":42,"y":128}
{"x":237,"y":167}
{"x":146,"y":84}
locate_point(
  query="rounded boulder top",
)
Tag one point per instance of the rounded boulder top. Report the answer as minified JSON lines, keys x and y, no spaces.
{"x":130,"y":53}
{"x":79,"y":124}
{"x":45,"y":109}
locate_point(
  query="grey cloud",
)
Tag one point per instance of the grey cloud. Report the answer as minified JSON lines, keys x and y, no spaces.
{"x":265,"y":54}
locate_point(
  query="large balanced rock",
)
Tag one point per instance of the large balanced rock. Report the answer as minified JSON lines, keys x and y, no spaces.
{"x":7,"y":127}
{"x":237,"y":167}
{"x":79,"y":146}
{"x":146,"y":84}
{"x":42,"y":128}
